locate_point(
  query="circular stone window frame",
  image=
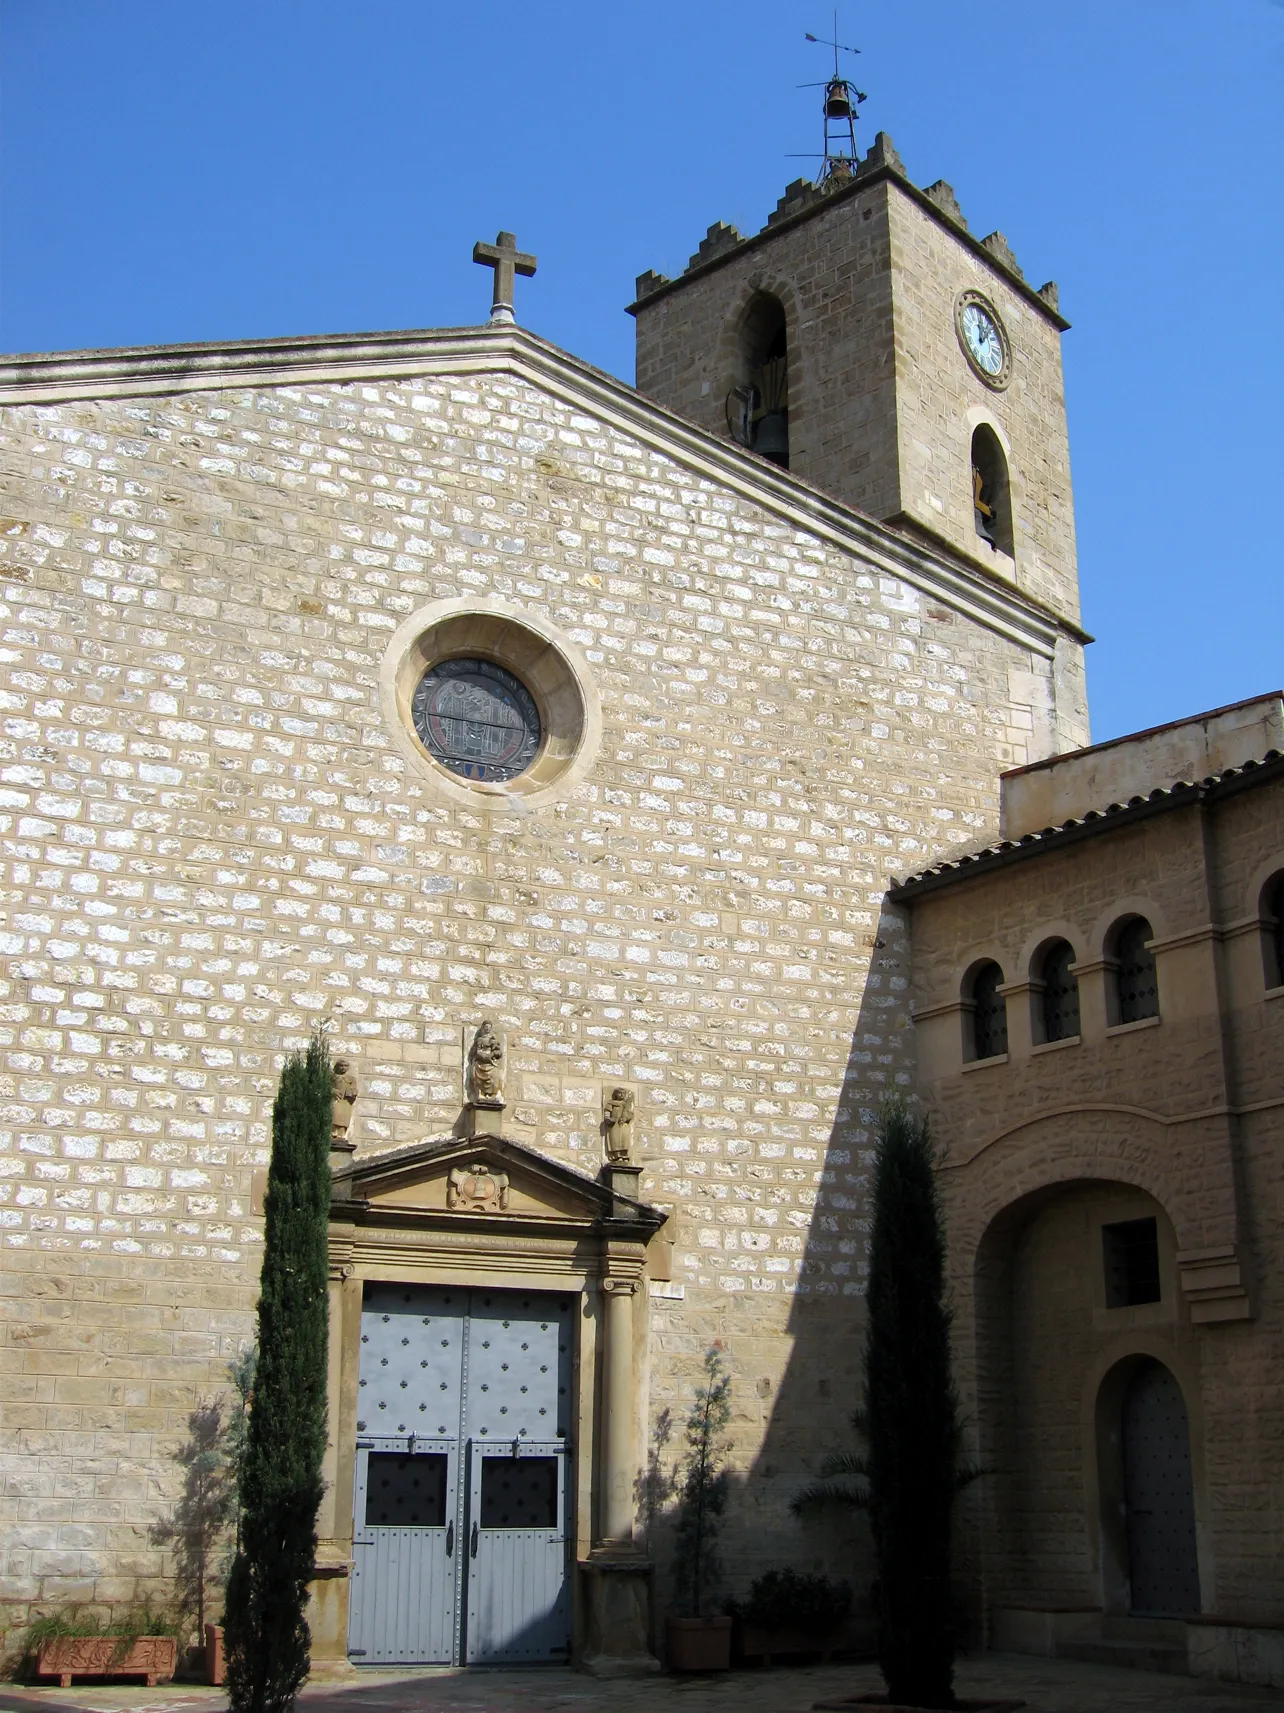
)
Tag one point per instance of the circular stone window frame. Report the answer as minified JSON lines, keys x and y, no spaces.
{"x":996,"y":383}
{"x":536,"y":652}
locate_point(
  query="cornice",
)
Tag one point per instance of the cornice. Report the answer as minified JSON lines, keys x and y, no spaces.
{"x":344,"y":359}
{"x":862,"y":181}
{"x":956,"y":870}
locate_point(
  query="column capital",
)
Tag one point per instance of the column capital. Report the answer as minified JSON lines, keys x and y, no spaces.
{"x":621,"y":1260}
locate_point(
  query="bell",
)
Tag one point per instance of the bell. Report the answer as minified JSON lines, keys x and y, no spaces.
{"x":837,"y":101}
{"x":771,"y":438}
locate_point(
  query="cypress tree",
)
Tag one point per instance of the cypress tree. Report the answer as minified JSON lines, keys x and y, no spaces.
{"x":910,"y":1417}
{"x":267,"y":1635}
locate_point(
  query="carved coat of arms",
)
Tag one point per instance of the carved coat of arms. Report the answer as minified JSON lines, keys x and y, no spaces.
{"x":477,"y":1189}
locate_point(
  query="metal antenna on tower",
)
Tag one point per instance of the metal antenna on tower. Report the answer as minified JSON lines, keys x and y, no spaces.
{"x":840,"y":103}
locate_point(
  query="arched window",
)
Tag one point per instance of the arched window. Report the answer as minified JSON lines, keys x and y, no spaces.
{"x":1060,"y":997}
{"x":758,"y":404}
{"x":991,"y":495}
{"x":989,"y":1013}
{"x":1136,"y":984}
{"x":1272,"y":914}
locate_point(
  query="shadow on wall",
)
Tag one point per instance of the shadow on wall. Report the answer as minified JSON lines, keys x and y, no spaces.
{"x":807,"y":1415}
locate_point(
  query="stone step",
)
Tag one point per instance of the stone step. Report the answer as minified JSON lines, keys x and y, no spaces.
{"x":1164,"y":1632}
{"x":1136,"y":1655}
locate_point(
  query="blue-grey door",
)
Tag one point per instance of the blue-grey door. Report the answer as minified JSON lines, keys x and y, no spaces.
{"x":404,"y":1538}
{"x":518,"y":1598}
{"x":460,"y":1537}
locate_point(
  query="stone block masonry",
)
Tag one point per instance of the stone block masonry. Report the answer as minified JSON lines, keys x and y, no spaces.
{"x":210,"y":841}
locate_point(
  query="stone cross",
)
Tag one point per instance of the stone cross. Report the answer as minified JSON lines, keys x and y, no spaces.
{"x":507,"y":260}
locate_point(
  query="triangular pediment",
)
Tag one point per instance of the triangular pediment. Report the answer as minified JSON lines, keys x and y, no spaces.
{"x":488,"y":1178}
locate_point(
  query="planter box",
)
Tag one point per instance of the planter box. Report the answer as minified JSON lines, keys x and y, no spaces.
{"x":698,"y":1644}
{"x":760,"y":1642}
{"x":215,"y":1664}
{"x":151,"y":1657}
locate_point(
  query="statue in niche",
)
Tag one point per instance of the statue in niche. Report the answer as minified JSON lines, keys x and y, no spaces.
{"x":476,"y":1189}
{"x":343,"y":1097}
{"x":486,"y":1067}
{"x":618,"y":1106}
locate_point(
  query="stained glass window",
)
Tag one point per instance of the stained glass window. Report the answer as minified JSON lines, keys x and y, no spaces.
{"x":476,"y":719}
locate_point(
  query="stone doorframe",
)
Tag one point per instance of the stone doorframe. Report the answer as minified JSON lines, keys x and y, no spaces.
{"x":491,"y":1212}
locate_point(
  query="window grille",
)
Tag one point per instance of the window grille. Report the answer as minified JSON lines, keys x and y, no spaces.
{"x":1137,"y":983}
{"x":990,"y":1013}
{"x":1060,"y":993}
{"x":1130,"y":1252}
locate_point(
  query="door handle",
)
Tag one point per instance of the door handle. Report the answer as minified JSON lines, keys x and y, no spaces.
{"x":450,"y":1538}
{"x":472,"y":1550}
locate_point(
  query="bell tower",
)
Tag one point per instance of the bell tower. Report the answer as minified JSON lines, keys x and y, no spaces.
{"x":869,"y":343}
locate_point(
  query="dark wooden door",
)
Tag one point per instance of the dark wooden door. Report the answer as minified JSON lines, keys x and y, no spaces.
{"x":1163,"y":1564}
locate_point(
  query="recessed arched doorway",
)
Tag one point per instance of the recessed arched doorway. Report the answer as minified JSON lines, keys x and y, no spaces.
{"x":1158,"y":1494}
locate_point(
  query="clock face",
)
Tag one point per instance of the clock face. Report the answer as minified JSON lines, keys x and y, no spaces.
{"x":983,"y":339}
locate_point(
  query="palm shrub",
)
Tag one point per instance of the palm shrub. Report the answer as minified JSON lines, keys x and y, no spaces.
{"x":267,"y":1637}
{"x":702,"y":1488}
{"x":911,"y":1467}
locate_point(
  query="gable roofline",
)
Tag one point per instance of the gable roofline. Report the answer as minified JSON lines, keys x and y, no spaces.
{"x":43,"y":379}
{"x":1183,"y":794}
{"x":353,"y":1182}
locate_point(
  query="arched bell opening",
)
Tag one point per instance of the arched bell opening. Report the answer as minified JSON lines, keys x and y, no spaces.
{"x":991,"y":490}
{"x":758,"y":402}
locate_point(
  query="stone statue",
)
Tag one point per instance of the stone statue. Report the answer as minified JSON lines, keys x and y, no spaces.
{"x":617,"y":1123}
{"x":486,"y":1067}
{"x":343,"y":1086}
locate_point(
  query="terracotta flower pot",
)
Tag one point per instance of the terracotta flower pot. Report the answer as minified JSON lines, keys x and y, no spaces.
{"x":215,"y":1665}
{"x":150,"y":1657}
{"x":698,"y":1644}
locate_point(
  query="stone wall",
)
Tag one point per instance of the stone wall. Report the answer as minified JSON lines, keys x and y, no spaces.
{"x":210,"y":841}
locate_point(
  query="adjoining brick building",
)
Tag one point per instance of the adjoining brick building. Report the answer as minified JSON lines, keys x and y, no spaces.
{"x":559,"y":751}
{"x":1097,"y":1006}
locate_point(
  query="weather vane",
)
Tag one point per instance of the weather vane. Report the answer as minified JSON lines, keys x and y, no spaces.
{"x":841,"y":100}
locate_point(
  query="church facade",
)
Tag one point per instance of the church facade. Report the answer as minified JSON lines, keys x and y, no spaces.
{"x":554,"y":743}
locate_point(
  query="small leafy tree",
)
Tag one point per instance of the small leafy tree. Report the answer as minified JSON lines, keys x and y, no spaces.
{"x":205,"y":1507}
{"x":702,"y":1489}
{"x":268,"y":1639}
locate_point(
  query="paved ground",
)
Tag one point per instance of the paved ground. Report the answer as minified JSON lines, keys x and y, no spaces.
{"x":1048,"y":1686}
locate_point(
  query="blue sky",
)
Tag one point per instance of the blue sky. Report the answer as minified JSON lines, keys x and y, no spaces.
{"x":170,"y":171}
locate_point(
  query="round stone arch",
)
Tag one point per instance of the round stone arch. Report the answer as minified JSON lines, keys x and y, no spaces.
{"x":1073,"y":1145}
{"x":1035,"y":942}
{"x":1253,"y":897}
{"x":539,"y":654}
{"x":1134,"y":904}
{"x":1104,"y":1386}
{"x":728,"y":359}
{"x":979,"y":417}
